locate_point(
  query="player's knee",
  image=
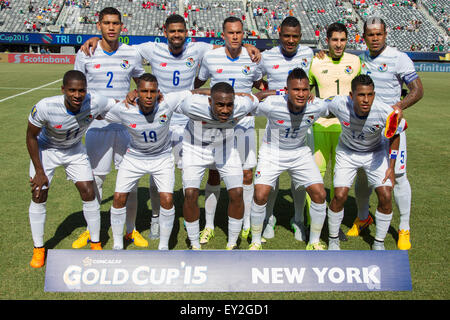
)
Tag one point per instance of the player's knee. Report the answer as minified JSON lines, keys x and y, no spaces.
{"x":248,"y":177}
{"x":384,"y":200}
{"x":260,"y":196}
{"x":191,"y":195}
{"x":86,"y":189}
{"x":119,"y":199}
{"x":317,"y":193}
{"x":236,"y":194}
{"x":340,"y":195}
{"x":166,"y":200}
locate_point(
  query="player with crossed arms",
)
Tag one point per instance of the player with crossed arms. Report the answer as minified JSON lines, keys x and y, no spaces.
{"x":56,"y":126}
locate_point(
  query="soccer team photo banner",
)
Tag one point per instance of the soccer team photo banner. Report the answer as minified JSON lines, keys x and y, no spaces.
{"x":226,"y":271}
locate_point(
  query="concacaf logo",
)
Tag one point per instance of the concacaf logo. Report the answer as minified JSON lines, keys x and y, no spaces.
{"x":190,"y":62}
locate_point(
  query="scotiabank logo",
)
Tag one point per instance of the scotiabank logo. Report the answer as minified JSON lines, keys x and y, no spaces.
{"x":41,"y":58}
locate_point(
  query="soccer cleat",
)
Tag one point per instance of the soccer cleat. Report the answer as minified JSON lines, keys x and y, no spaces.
{"x":195,"y":248}
{"x":358,"y":226}
{"x":38,"y":259}
{"x":231,"y":247}
{"x":269,"y":230}
{"x":403,"y":242}
{"x":82,"y":240}
{"x":96,"y":245}
{"x":206,"y":235}
{"x":334,"y":244}
{"x":255,"y":246}
{"x":378,"y":245}
{"x":299,"y":230}
{"x":154,"y":231}
{"x":316,"y":246}
{"x":137,"y":238}
{"x":245,"y":233}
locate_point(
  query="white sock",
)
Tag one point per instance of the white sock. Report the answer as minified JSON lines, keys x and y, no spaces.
{"x":234,"y":228}
{"x":98,"y":187}
{"x":382,"y":223}
{"x":272,"y":199}
{"x":257,"y":216}
{"x":118,"y":216}
{"x":91,"y":212}
{"x":362,"y":195}
{"x":193,"y":231}
{"x":334,"y":222}
{"x":248,"y":196}
{"x":212,"y":194}
{"x":37,"y":215}
{"x":402,"y":196}
{"x":299,"y":197}
{"x":166,"y":218}
{"x":318,"y":212}
{"x":154,"y":197}
{"x":132,"y":203}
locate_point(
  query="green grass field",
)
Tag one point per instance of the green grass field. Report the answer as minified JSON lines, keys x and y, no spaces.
{"x":428,"y":167}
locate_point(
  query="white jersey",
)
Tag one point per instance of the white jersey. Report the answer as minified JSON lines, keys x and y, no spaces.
{"x":240,"y":73}
{"x":174,"y":73}
{"x":361,"y":134}
{"x":150,"y":134}
{"x":277,"y":66}
{"x":203,"y":129}
{"x":62,"y":129}
{"x":389,"y":70}
{"x":109,"y":73}
{"x":285,"y":129}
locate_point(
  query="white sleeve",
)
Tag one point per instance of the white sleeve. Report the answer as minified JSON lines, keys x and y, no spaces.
{"x":263,"y":108}
{"x":80,"y":62}
{"x":145,"y":50}
{"x":406,"y":69}
{"x":174,"y":100}
{"x":37,"y":115}
{"x":203,"y":73}
{"x":113,"y":114}
{"x":138,"y":70}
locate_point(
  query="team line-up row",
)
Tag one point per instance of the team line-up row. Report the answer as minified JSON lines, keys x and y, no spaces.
{"x":355,"y":121}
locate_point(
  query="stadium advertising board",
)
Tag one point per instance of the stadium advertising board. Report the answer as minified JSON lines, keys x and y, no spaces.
{"x":41,"y":58}
{"x":226,"y":271}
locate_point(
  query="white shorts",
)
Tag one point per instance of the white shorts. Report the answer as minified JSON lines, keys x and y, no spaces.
{"x":177,"y":132}
{"x":197,"y":159}
{"x":245,"y":143}
{"x":74,"y":160}
{"x":299,"y":163}
{"x":348,"y":162}
{"x":132,"y":169}
{"x":105,"y":145}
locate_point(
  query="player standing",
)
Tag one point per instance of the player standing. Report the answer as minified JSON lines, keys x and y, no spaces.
{"x":363,"y":118}
{"x":109,"y":72}
{"x":233,"y":65}
{"x":277,"y":63}
{"x":209,"y":143}
{"x":389,"y":69}
{"x":56,"y":126}
{"x":331,"y":75}
{"x":284,"y":149}
{"x":150,"y":152}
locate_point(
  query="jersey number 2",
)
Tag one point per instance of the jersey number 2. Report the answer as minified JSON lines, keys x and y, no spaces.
{"x":110,"y":75}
